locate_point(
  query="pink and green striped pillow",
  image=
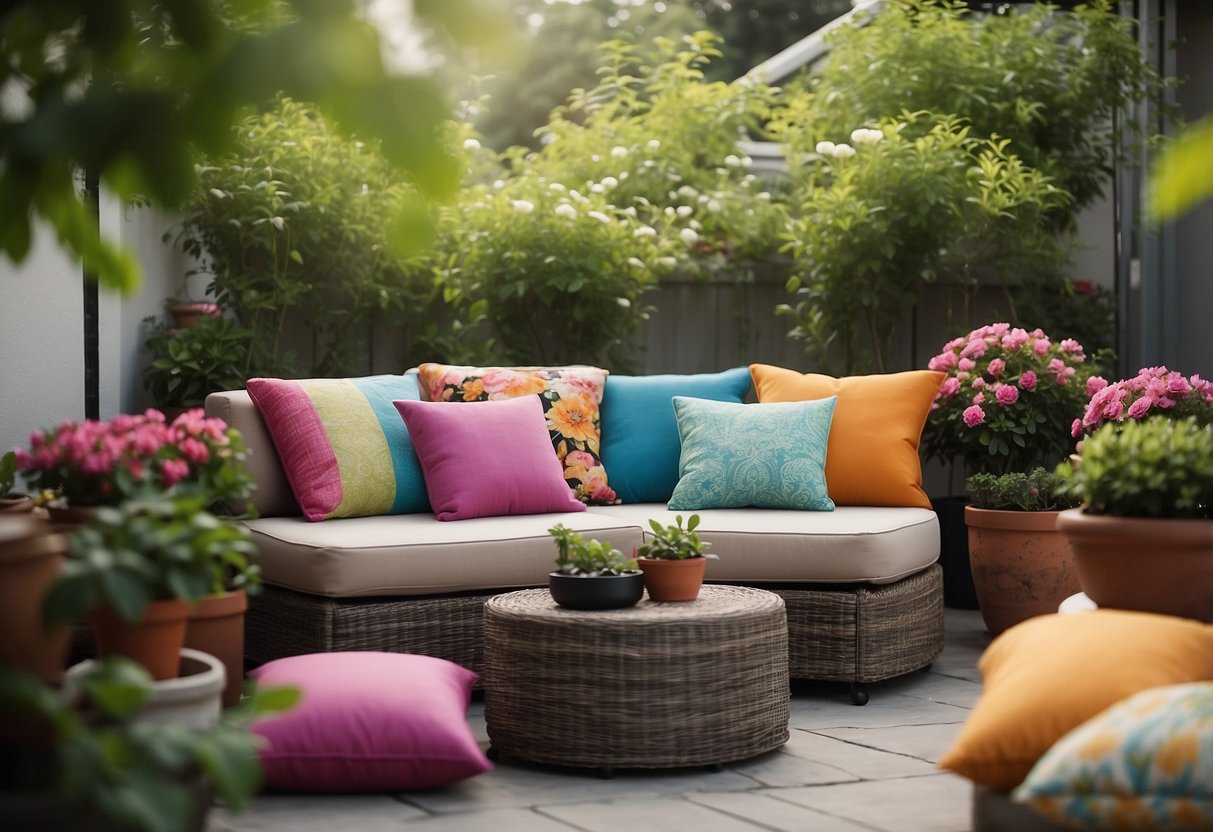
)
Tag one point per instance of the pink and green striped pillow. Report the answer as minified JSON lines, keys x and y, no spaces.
{"x":344,"y":448}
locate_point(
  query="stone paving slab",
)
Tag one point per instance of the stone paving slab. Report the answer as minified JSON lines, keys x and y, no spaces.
{"x":318,"y":813}
{"x":765,"y":809}
{"x":923,"y":742}
{"x":938,"y":803}
{"x":662,"y":814}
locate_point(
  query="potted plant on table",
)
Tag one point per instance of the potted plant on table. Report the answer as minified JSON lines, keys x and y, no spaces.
{"x":1143,"y":538}
{"x":1005,"y":407}
{"x":592,"y":575}
{"x":11,"y":501}
{"x":136,"y":569}
{"x":674,"y":560}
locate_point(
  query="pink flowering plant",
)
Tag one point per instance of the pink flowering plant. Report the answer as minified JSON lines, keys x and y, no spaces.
{"x":1154,"y":391}
{"x":94,"y":463}
{"x":1008,"y":400}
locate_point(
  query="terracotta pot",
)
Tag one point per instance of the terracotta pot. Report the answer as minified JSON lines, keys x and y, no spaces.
{"x":31,"y":558}
{"x":673,"y":580}
{"x":216,"y":626}
{"x":599,"y":592}
{"x":1021,"y":564}
{"x":68,"y":519}
{"x":155,"y":642}
{"x":1144,"y":564}
{"x":186,"y":315}
{"x":17,"y":504}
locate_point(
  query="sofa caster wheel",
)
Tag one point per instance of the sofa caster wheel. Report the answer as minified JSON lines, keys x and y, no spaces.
{"x":606,"y":773}
{"x":859,"y":695}
{"x":714,"y":767}
{"x":493,"y":754}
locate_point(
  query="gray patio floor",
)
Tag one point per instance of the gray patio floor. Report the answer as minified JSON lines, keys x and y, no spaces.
{"x":845,"y":769}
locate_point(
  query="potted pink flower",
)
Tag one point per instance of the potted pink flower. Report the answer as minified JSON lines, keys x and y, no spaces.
{"x":1005,"y":408}
{"x":1154,"y":391}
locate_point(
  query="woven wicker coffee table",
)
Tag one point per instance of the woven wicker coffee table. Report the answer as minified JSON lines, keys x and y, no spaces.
{"x":652,"y":686}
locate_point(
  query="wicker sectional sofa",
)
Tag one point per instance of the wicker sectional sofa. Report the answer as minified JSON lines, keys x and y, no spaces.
{"x":861,"y":584}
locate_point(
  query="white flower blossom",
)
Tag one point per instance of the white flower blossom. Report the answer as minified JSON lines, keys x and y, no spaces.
{"x":619,"y":151}
{"x":843,"y":151}
{"x":688,"y":236}
{"x":668,"y":211}
{"x":866,"y":135}
{"x":624,"y":302}
{"x":649,"y":163}
{"x":524,"y":206}
{"x":714,"y":206}
{"x":594,"y":157}
{"x":609,"y":182}
{"x":667,"y":262}
{"x":471,"y":144}
{"x":601,"y":217}
{"x":653,"y":144}
{"x":687,"y":192}
{"x":685,"y":211}
{"x":565,"y":210}
{"x":763,"y":195}
{"x":630,"y":210}
{"x":695,"y":224}
{"x":622,"y":176}
{"x":722,"y":171}
{"x":732,"y":161}
{"x":597,"y":189}
{"x":636,"y":261}
{"x":499,"y":184}
{"x":556,"y":187}
{"x":825,"y":148}
{"x":746,"y":161}
{"x":703,"y":199}
{"x":645,"y":231}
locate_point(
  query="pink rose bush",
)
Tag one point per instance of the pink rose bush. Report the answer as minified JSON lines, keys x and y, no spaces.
{"x":1008,"y":400}
{"x":1153,"y":391}
{"x":93,"y":463}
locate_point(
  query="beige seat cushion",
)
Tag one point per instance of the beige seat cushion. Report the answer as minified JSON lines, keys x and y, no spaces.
{"x":414,"y":554}
{"x":848,"y":545}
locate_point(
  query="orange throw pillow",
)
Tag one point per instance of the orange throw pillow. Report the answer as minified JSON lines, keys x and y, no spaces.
{"x":1049,"y":674}
{"x":872,"y":456}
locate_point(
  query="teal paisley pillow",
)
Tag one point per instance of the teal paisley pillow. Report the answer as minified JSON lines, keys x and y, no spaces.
{"x":763,"y":455}
{"x":1144,"y":763}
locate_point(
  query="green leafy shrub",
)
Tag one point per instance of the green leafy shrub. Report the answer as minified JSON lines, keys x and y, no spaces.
{"x":1150,"y":468}
{"x":189,"y":364}
{"x":577,"y":556}
{"x":673,"y":542}
{"x":1037,"y":490}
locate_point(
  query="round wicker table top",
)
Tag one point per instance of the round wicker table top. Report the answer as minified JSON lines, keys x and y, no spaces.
{"x":656,"y":685}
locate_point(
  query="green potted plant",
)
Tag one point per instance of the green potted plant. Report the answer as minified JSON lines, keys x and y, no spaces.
{"x":674,"y":560}
{"x":12,"y":501}
{"x":136,"y":569}
{"x":91,"y":761}
{"x":1006,"y":405}
{"x":591,"y":574}
{"x":1143,"y":538}
{"x":189,"y":363}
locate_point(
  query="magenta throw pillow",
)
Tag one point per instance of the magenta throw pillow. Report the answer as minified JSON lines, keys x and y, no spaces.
{"x":485,"y":459}
{"x":369,"y":722}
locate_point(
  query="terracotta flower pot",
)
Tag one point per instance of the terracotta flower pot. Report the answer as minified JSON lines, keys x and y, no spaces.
{"x":186,"y":315}
{"x":31,"y":558}
{"x":67,"y":519}
{"x":16,"y":504}
{"x":1021,"y":564}
{"x":155,"y":642}
{"x":216,"y":626}
{"x":673,"y":580}
{"x":1145,"y":564}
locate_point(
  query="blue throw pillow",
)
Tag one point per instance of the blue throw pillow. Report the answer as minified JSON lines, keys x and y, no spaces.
{"x":765,"y":455}
{"x":639,"y":435}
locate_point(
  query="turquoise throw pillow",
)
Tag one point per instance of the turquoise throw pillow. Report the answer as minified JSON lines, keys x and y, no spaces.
{"x":1144,"y":763}
{"x":639,"y":435}
{"x":763,"y":455}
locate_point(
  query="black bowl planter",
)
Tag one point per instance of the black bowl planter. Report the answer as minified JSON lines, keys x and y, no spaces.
{"x":598,"y":592}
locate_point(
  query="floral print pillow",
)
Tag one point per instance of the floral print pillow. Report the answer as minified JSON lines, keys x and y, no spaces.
{"x":1144,"y":763}
{"x":571,"y":397}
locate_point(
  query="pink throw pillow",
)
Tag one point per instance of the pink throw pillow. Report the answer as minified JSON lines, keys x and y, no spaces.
{"x":485,"y":459}
{"x":369,"y":722}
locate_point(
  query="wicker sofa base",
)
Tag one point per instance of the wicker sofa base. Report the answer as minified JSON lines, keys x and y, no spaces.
{"x":851,"y":633}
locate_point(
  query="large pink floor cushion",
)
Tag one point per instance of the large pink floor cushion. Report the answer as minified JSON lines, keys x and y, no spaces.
{"x":369,"y":722}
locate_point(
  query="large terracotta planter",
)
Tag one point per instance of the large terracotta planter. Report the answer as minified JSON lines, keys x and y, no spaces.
{"x":216,"y":626}
{"x":673,"y":580}
{"x":155,"y":642}
{"x":68,"y":519}
{"x":16,"y":504}
{"x":1145,"y":564}
{"x":31,"y":558}
{"x":1021,"y":564}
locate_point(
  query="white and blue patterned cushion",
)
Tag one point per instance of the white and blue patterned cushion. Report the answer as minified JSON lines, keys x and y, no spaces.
{"x":1144,"y":763}
{"x":763,"y":455}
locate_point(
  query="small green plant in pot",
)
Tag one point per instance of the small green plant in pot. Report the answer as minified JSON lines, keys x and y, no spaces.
{"x":591,"y":574}
{"x":189,"y":363}
{"x":136,"y":569}
{"x":12,"y":501}
{"x":1143,"y":538}
{"x":674,"y":560}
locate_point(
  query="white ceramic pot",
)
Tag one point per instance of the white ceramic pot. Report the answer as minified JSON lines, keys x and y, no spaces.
{"x":194,"y":699}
